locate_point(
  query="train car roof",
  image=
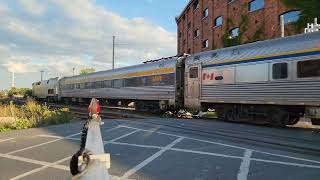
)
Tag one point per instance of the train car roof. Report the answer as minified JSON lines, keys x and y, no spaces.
{"x":301,"y":42}
{"x":167,"y":63}
{"x":45,"y":81}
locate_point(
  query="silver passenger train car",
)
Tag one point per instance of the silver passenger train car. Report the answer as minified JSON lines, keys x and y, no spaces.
{"x":276,"y":80}
{"x":152,"y":86}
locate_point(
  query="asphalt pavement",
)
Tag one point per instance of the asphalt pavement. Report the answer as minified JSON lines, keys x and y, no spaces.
{"x":149,"y":151}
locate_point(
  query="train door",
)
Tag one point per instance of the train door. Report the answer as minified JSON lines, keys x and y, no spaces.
{"x":192,"y":95}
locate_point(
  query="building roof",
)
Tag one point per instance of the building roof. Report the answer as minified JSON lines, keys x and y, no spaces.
{"x":187,"y":6}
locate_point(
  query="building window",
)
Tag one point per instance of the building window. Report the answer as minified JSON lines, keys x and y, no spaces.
{"x":218,"y":21}
{"x":196,"y":33}
{"x":280,"y":71}
{"x":256,"y":5}
{"x":291,"y":17}
{"x":189,"y":25}
{"x":184,"y":42}
{"x":193,"y":72}
{"x":309,"y":68}
{"x":234,"y":32}
{"x":180,"y":34}
{"x":229,"y":1}
{"x":196,"y":5}
{"x":206,"y":13}
{"x":189,"y":51}
{"x":205,"y":44}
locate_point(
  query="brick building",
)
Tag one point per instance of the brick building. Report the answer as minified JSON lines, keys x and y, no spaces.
{"x":210,"y":24}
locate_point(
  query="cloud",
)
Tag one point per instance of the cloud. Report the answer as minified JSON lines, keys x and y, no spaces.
{"x":35,"y":7}
{"x":57,"y":35}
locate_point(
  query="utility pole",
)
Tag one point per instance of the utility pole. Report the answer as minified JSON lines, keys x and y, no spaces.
{"x":41,"y":74}
{"x":282,"y":25}
{"x":13,"y":83}
{"x":113,"y":43}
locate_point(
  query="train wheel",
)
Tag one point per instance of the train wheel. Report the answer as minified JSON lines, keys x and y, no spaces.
{"x":230,"y":114}
{"x":293,"y":120}
{"x":278,"y":117}
{"x":220,"y":113}
{"x":315,"y":121}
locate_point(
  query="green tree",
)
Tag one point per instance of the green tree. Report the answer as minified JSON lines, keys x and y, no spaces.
{"x":20,"y":91}
{"x":87,"y":71}
{"x":13,"y":91}
{"x":309,"y":10}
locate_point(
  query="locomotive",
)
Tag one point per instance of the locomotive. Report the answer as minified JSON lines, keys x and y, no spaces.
{"x":275,"y":81}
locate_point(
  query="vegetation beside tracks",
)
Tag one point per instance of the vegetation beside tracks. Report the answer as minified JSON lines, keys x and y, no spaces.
{"x":31,"y":115}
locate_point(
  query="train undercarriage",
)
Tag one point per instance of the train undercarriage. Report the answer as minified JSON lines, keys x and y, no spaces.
{"x":274,"y":115}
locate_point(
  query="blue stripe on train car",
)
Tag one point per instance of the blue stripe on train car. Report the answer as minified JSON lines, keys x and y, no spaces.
{"x":263,"y":59}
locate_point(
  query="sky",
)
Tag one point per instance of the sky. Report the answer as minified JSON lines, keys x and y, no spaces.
{"x":58,"y":35}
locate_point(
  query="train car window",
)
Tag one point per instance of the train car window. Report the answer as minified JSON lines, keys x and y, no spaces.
{"x":193,"y":72}
{"x":50,"y":91}
{"x":252,"y":73}
{"x":280,"y":71}
{"x":117,"y":83}
{"x":82,"y":86}
{"x":107,"y":84}
{"x":132,"y":82}
{"x":309,"y":68}
{"x":89,"y":85}
{"x":98,"y":84}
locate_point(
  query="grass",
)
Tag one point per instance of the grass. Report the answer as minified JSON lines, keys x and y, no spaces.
{"x":31,"y":115}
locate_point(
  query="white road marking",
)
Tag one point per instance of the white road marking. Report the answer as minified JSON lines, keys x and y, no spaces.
{"x":136,"y":145}
{"x":163,"y":149}
{"x":30,"y":147}
{"x":111,"y":129}
{"x":109,"y":142}
{"x":123,"y":136}
{"x":228,"y":145}
{"x":152,"y":131}
{"x":211,"y":142}
{"x":39,"y":169}
{"x":245,"y":165}
{"x":4,"y":140}
{"x":205,"y":153}
{"x":290,"y":157}
{"x":42,"y":163}
{"x":286,"y":163}
{"x":151,"y":158}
